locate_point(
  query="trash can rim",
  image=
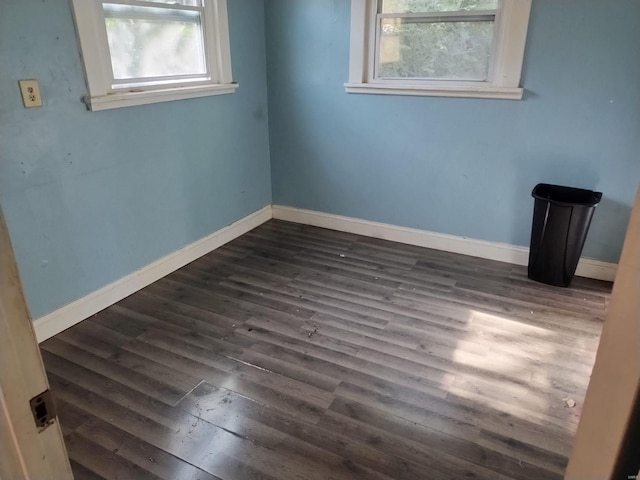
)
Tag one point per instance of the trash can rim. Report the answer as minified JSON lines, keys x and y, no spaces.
{"x":594,"y":197}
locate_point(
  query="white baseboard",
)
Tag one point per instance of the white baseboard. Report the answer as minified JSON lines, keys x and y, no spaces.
{"x":73,"y":313}
{"x":502,"y":252}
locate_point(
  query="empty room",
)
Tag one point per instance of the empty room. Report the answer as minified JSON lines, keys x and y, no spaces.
{"x":319,"y":239}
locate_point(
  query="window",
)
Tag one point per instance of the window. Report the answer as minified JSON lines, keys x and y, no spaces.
{"x":144,"y":51}
{"x":458,"y":48}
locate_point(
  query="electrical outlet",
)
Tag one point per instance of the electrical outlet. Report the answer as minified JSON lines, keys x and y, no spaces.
{"x":30,"y":93}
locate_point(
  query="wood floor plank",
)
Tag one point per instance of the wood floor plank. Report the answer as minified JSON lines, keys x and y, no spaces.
{"x":104,"y":341}
{"x":182,"y":318}
{"x":521,"y":452}
{"x":180,"y":292}
{"x":361,"y":372}
{"x":197,"y":442}
{"x":509,"y":420}
{"x":196,"y":364}
{"x":374,"y":290}
{"x":163,"y":391}
{"x":119,"y":320}
{"x":282,"y":332}
{"x":345,"y":366}
{"x":454,"y":421}
{"x":468,"y":449}
{"x":141,"y":453}
{"x":289,"y":370}
{"x":106,"y":400}
{"x":202,"y":279}
{"x":155,"y":371}
{"x":299,"y":353}
{"x":104,"y":462}
{"x":80,"y":472}
{"x":218,"y":405}
{"x":331,"y":443}
{"x":439,"y":464}
{"x":573,"y":303}
{"x":72,"y":416}
{"x":493,"y":304}
{"x":240,"y":369}
{"x":283,"y":234}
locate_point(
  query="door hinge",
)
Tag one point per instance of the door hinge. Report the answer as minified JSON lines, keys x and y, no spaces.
{"x":43,"y":408}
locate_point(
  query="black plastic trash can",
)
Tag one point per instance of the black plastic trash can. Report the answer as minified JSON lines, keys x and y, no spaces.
{"x":561,"y":219}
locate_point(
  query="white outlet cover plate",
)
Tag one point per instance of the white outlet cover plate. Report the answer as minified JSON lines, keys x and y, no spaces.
{"x":30,"y":93}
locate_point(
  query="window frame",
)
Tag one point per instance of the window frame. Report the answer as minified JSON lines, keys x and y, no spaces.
{"x":104,"y":92}
{"x":503,"y":82}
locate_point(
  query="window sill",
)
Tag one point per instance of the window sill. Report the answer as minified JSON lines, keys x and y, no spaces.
{"x":129,"y":98}
{"x":503,"y":93}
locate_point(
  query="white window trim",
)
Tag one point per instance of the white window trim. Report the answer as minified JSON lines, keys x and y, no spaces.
{"x":102,"y":95}
{"x":512,"y":22}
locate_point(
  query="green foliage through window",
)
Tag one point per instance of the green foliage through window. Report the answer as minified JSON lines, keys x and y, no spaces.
{"x":457,"y":47}
{"x":416,"y":6}
{"x":151,"y":42}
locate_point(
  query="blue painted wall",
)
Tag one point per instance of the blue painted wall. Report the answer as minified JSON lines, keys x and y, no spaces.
{"x":91,"y":197}
{"x":460,"y":166}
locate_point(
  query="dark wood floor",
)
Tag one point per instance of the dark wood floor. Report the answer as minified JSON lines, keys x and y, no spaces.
{"x":301,"y":353}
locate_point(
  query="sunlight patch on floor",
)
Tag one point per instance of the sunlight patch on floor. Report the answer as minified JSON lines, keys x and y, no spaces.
{"x":530,"y":381}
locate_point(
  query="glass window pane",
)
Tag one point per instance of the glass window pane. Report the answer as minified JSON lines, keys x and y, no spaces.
{"x":189,"y":3}
{"x":415,"y":6}
{"x":154,"y":42}
{"x":442,"y":50}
